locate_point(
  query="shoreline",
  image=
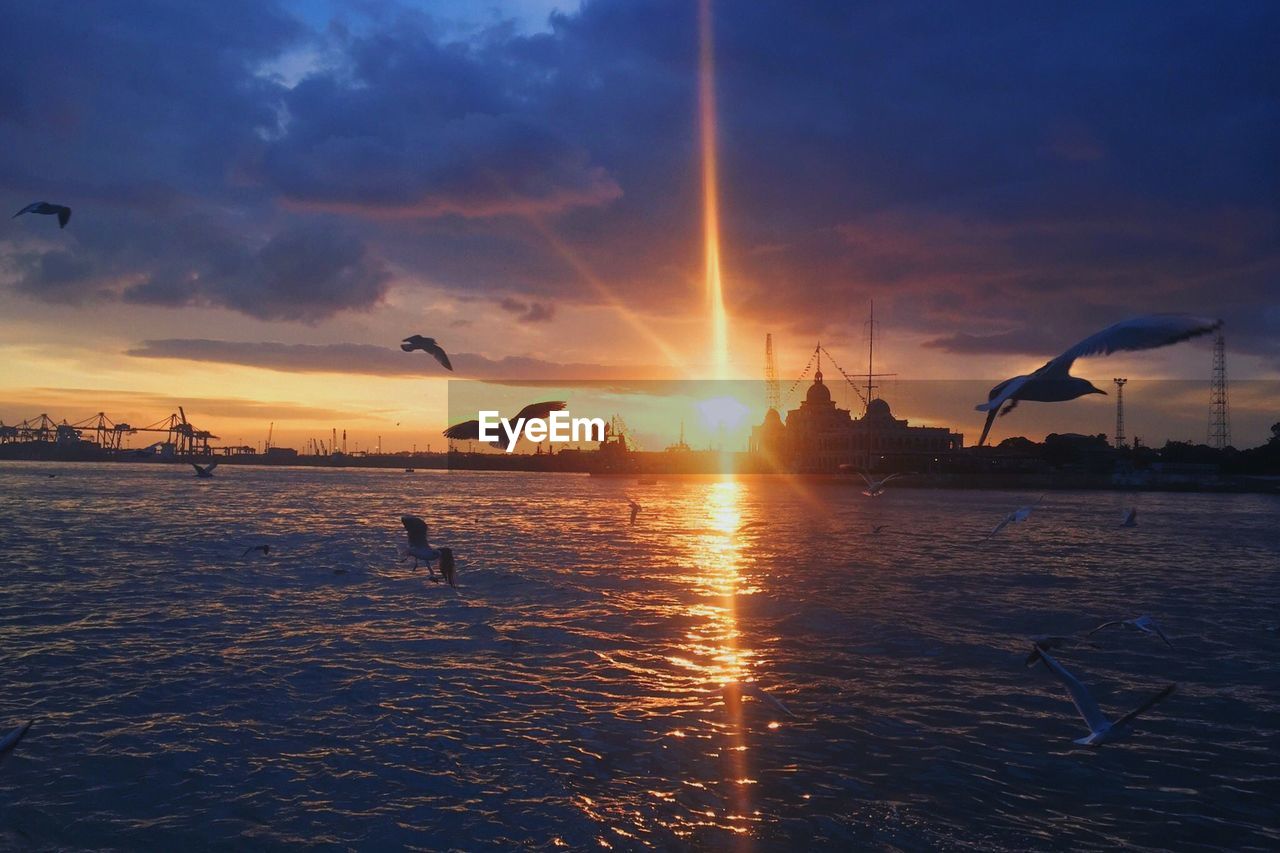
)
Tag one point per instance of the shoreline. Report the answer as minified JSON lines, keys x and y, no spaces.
{"x":545,"y":464}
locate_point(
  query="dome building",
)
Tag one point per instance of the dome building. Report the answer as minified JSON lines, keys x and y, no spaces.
{"x":820,"y":437}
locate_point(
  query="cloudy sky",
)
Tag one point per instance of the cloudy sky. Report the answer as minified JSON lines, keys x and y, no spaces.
{"x":269,"y":195}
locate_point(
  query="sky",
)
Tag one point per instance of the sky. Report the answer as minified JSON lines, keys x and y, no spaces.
{"x":268,"y":196}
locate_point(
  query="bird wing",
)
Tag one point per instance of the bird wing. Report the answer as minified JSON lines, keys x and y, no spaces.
{"x":986,"y":428}
{"x":539,"y":410}
{"x":1080,"y":697}
{"x":208,"y":469}
{"x":764,"y":695}
{"x":440,"y":355}
{"x":1111,"y":624}
{"x":1004,"y":522}
{"x":11,"y":739}
{"x":199,"y":470}
{"x":64,"y":216}
{"x":866,"y":479}
{"x":890,"y":477}
{"x":248,"y":550}
{"x":1145,"y":706}
{"x":465,"y":431}
{"x":997,"y":396}
{"x":417,"y":530}
{"x":1150,"y":331}
{"x":1146,"y":623}
{"x":28,"y":209}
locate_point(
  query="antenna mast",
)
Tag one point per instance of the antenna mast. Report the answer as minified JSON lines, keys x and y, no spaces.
{"x":1219,"y":415}
{"x":772,"y":397}
{"x":871,"y":348}
{"x":1120,"y":442}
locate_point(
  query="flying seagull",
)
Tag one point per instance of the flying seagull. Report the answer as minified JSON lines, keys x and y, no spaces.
{"x":1130,"y":518}
{"x":265,"y":549}
{"x":11,"y":739}
{"x":1053,"y":382}
{"x":733,"y":692}
{"x":1101,"y":730}
{"x":1145,"y":624}
{"x":420,"y":549}
{"x":875,"y":487}
{"x":470,"y":430}
{"x":427,"y":345}
{"x":1020,"y":514}
{"x":61,"y":211}
{"x":205,"y":471}
{"x":635,"y":510}
{"x":875,"y":530}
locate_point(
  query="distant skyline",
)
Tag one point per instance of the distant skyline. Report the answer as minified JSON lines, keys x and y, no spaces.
{"x":268,"y":196}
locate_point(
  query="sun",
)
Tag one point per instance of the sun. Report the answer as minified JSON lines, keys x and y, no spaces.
{"x":722,"y":413}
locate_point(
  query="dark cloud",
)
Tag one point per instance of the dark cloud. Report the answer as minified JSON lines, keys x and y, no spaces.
{"x":306,"y":273}
{"x":141,"y":408}
{"x":1008,"y":167}
{"x":528,"y":312}
{"x":378,"y":361}
{"x":1021,"y":342}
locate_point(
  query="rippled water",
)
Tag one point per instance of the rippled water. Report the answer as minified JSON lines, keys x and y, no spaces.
{"x":569,"y":693}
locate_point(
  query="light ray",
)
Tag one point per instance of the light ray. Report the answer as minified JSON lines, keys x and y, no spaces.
{"x":569,"y":256}
{"x":710,"y":194}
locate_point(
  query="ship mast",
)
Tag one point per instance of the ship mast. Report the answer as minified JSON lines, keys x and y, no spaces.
{"x":871,"y":348}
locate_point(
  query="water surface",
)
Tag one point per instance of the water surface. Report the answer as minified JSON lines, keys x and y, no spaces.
{"x":570,"y":694}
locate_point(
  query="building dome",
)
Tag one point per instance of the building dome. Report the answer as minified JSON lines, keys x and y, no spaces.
{"x":878,"y":408}
{"x":819,"y":394}
{"x":772,"y":420}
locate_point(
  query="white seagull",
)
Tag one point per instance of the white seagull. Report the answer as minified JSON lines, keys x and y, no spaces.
{"x":205,"y":471}
{"x":60,"y":210}
{"x":1101,"y":730}
{"x":420,"y":549}
{"x":733,"y":691}
{"x":1145,"y":624}
{"x":1053,"y":382}
{"x":427,"y":345}
{"x":1020,"y":514}
{"x":1130,"y":518}
{"x":11,"y":739}
{"x":635,"y":510}
{"x":470,"y":430}
{"x":875,"y":487}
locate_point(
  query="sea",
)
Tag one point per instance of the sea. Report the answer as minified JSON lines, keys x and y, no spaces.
{"x":750,"y":666}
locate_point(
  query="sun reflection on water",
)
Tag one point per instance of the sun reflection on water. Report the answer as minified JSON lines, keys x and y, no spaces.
{"x":717,"y":643}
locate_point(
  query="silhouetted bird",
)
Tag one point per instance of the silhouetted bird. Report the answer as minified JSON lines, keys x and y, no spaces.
{"x":1053,"y":382}
{"x":61,"y":211}
{"x":265,"y":549}
{"x":470,"y":430}
{"x":205,"y":471}
{"x":420,"y":549}
{"x":427,"y":345}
